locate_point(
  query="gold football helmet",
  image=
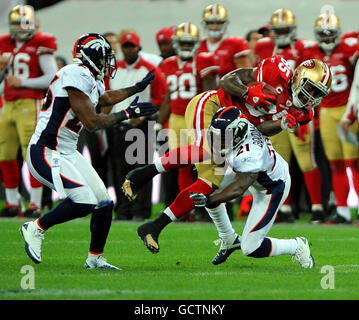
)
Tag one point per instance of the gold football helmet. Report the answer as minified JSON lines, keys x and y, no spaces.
{"x":327,"y":31}
{"x":215,"y":20}
{"x":186,"y":40}
{"x":283,"y":27}
{"x":310,"y":83}
{"x":22,"y":22}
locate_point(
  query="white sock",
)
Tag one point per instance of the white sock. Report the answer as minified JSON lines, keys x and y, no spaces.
{"x":221,"y":220}
{"x":170,"y":214}
{"x":12,"y":196}
{"x":344,"y":212}
{"x":283,"y":246}
{"x":286,"y":208}
{"x":36,"y":196}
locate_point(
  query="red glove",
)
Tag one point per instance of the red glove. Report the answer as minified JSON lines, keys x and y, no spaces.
{"x":302,"y":115}
{"x":302,"y":131}
{"x":256,"y":96}
{"x":288,"y":122}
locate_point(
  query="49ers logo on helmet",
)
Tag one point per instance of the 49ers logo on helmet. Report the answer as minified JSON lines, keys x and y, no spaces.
{"x":309,"y":64}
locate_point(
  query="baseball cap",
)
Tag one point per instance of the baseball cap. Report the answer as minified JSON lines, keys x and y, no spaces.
{"x":165,"y":34}
{"x":130,"y":37}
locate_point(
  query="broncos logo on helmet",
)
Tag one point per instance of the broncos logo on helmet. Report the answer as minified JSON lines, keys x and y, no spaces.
{"x":94,"y":51}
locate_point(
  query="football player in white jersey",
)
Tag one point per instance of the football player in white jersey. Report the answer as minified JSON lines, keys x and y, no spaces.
{"x":73,"y":101}
{"x":261,"y":170}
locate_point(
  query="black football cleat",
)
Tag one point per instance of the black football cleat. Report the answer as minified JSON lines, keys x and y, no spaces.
{"x":226,"y":250}
{"x":149,"y":235}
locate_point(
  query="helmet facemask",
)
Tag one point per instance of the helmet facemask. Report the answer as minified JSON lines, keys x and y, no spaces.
{"x":215,"y":21}
{"x":327,"y":38}
{"x":307,"y":94}
{"x":283,"y":36}
{"x":186,"y":40}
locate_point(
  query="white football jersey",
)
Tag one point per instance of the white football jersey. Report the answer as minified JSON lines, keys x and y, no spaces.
{"x":57,"y":127}
{"x":256,"y":154}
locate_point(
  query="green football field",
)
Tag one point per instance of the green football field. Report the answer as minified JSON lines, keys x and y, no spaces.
{"x":182,"y":270}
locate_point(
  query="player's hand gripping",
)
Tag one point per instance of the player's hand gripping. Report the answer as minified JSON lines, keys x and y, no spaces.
{"x":138,"y":109}
{"x":288,"y":122}
{"x":199,"y":199}
{"x":256,"y":96}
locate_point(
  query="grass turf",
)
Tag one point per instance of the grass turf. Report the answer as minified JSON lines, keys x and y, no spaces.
{"x":182,"y":270}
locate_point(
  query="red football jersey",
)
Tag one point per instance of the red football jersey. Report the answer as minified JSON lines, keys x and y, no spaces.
{"x":184,"y":78}
{"x":225,"y":52}
{"x":274,"y":71}
{"x":25,"y":62}
{"x":266,"y":48}
{"x":340,"y":62}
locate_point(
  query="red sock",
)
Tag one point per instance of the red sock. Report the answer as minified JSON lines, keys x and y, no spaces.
{"x":183,"y":203}
{"x":182,"y":156}
{"x":185,"y":177}
{"x":287,"y":201}
{"x":353,"y":164}
{"x":34,"y":183}
{"x":340,"y":182}
{"x":11,"y":173}
{"x":313,"y":181}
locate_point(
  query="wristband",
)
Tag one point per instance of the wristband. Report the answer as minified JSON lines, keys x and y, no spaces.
{"x":120,"y":116}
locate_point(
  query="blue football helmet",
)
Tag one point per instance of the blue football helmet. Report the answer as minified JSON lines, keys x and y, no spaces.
{"x":228,"y":129}
{"x":94,"y":51}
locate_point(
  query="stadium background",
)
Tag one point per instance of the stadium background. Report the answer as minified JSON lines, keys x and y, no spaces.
{"x":67,"y":19}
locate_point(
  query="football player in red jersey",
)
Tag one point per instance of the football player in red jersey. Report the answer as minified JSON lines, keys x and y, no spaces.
{"x":31,"y":66}
{"x":187,"y":74}
{"x":293,"y":95}
{"x":339,"y":54}
{"x":283,"y":41}
{"x":230,"y":52}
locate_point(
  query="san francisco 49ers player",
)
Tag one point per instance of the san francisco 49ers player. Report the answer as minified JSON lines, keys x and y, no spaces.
{"x":339,"y":54}
{"x":291,"y":95}
{"x":30,"y":68}
{"x":283,"y":41}
{"x":230,"y":52}
{"x":187,"y":74}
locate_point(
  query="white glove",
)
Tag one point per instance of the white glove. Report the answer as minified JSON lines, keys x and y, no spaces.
{"x":200,"y":200}
{"x":288,"y":122}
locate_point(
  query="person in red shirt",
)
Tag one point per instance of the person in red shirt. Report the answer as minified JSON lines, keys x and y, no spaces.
{"x":283,"y":41}
{"x":339,"y":54}
{"x":131,"y":69}
{"x":187,"y":74}
{"x":30,"y":67}
{"x":164,"y":39}
{"x":230,"y":52}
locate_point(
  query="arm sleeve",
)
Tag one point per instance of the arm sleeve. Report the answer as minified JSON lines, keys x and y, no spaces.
{"x":351,"y":112}
{"x":76,"y":78}
{"x":49,"y":68}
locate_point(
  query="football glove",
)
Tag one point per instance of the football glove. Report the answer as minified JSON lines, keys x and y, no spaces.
{"x":138,"y":109}
{"x":288,"y":122}
{"x":199,"y":199}
{"x":141,"y":85}
{"x":301,"y":132}
{"x":256,"y":96}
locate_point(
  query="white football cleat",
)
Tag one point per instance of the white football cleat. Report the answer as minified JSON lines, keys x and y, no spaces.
{"x":33,"y":236}
{"x":302,"y":254}
{"x":98,"y":262}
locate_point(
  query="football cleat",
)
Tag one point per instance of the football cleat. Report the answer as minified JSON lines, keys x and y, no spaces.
{"x":317,"y":217}
{"x":33,"y":211}
{"x":302,"y":254}
{"x":98,"y":262}
{"x":33,"y":236}
{"x":128,"y":189}
{"x":149,"y":235}
{"x":226,"y":249}
{"x":10,"y":211}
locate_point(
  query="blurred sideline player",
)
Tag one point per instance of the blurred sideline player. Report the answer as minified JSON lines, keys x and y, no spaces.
{"x":339,"y":54}
{"x":73,"y":97}
{"x":31,"y":67}
{"x":164,"y":39}
{"x":283,"y":42}
{"x":230,"y":52}
{"x":259,"y":169}
{"x":187,"y":74}
{"x":289,"y":110}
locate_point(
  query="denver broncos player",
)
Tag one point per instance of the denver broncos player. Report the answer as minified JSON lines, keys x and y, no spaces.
{"x":187,"y":74}
{"x":259,"y":169}
{"x":230,"y":52}
{"x":339,"y":54}
{"x":30,"y":68}
{"x":52,"y":156}
{"x":294,"y":95}
{"x":283,"y":42}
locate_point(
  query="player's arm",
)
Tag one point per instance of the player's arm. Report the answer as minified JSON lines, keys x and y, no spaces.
{"x":235,"y":82}
{"x":165,"y":110}
{"x":242,"y":61}
{"x":85,"y":111}
{"x":210,"y":81}
{"x":111,"y":97}
{"x":241,"y":183}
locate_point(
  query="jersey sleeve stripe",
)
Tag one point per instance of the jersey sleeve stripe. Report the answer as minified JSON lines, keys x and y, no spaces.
{"x":241,"y":53}
{"x":208,"y":70}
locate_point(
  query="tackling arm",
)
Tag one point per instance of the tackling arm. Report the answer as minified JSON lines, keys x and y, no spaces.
{"x":235,"y":82}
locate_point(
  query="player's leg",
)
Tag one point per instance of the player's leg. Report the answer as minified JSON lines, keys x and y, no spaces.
{"x":333,"y":146}
{"x":10,"y":171}
{"x":304,"y":153}
{"x":26,"y":122}
{"x":254,"y":242}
